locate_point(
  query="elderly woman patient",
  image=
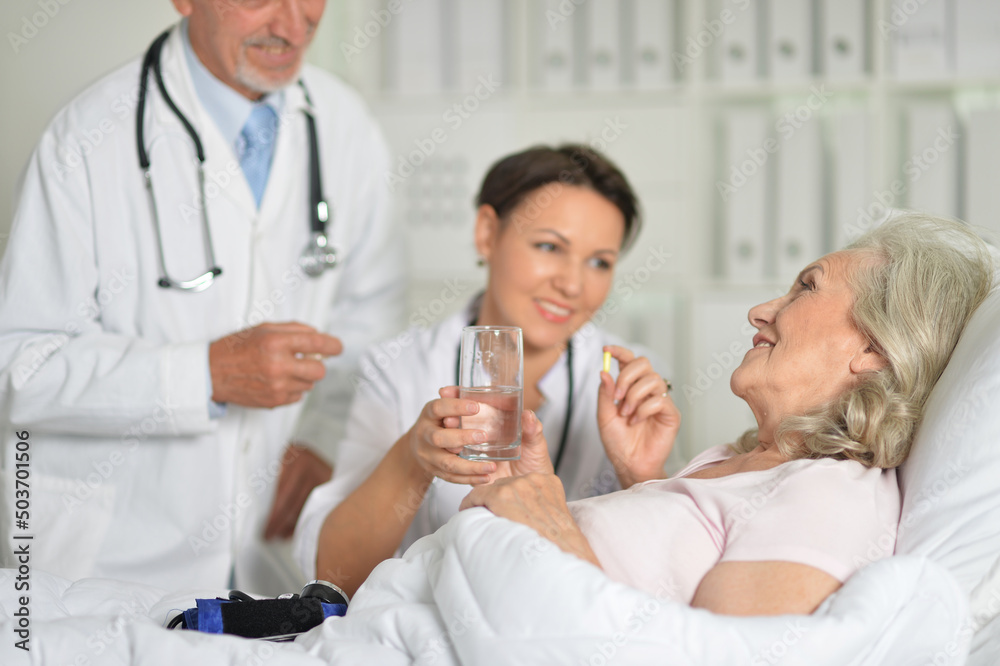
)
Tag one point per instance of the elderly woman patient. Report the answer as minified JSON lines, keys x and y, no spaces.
{"x":839,"y":372}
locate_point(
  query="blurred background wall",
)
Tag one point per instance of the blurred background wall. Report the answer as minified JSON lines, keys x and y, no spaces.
{"x":759,"y":134}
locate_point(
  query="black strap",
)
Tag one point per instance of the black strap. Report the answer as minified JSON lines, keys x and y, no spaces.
{"x":569,"y":397}
{"x":264,"y":618}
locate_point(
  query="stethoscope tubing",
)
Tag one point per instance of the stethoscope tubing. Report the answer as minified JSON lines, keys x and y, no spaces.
{"x":318,"y":254}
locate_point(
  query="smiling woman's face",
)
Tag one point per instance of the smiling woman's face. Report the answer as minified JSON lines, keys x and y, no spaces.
{"x":807,"y":351}
{"x":551,"y":264}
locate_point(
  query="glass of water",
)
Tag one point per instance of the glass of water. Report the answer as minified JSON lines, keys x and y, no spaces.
{"x":491,"y":372}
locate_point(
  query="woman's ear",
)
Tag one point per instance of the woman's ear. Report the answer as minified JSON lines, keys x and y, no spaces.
{"x":868,"y":360}
{"x":487,"y":231}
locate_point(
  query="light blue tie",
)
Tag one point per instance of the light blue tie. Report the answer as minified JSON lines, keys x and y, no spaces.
{"x":256,"y":147}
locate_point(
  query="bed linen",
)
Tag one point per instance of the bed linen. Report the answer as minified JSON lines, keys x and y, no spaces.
{"x":484,"y":590}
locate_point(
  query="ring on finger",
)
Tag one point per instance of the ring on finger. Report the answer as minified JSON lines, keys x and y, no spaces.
{"x":670,"y":387}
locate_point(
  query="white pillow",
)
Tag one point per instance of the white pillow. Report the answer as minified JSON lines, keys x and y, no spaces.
{"x":951,"y":481}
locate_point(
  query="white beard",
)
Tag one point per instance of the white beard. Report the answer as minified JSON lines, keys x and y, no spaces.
{"x":252,"y":79}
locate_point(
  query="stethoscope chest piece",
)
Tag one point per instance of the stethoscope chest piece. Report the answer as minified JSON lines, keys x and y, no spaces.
{"x":318,"y":256}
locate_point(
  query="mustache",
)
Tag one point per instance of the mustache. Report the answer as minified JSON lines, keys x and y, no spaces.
{"x":267,"y":42}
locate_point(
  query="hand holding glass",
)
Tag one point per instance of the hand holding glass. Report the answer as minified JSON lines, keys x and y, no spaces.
{"x":491,"y":372}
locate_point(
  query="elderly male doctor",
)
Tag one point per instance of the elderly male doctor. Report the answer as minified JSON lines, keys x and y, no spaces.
{"x":158,"y":398}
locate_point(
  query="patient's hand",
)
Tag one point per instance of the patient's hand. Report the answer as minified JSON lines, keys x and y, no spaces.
{"x":538,"y":501}
{"x":534,"y":451}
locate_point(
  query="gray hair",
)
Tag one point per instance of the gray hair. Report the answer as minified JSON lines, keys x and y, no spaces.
{"x":912,"y":304}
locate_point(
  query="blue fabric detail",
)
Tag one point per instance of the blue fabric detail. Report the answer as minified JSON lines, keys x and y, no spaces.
{"x":333,"y":610}
{"x":210,"y":615}
{"x":191,"y":619}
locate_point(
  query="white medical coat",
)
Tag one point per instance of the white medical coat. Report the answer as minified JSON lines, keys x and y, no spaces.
{"x":398,"y":377}
{"x":129,"y":476}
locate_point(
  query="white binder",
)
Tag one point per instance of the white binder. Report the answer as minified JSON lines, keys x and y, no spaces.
{"x":554,"y":24}
{"x":742,"y":187}
{"x":738,"y":45}
{"x":982,"y":169}
{"x":790,"y":40}
{"x":843,"y":41}
{"x":854,"y":208}
{"x":977,"y":38}
{"x":799,"y":201}
{"x":921,"y":46}
{"x":414,"y":49}
{"x":480,"y":37}
{"x":652,"y":44}
{"x":930,"y":164}
{"x":603,"y":54}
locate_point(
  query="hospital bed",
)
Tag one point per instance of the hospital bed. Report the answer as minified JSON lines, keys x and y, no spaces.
{"x":483,"y":590}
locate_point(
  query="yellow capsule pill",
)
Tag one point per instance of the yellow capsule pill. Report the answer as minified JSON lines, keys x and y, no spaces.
{"x":607,"y":362}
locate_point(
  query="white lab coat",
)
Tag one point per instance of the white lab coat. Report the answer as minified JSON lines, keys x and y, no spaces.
{"x":130,"y":478}
{"x":398,"y":377}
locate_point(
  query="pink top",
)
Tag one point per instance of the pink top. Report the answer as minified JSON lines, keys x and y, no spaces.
{"x":662,"y":537}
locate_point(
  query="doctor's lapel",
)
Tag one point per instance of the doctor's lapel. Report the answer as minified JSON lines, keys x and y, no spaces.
{"x":288,"y":183}
{"x":231,"y":210}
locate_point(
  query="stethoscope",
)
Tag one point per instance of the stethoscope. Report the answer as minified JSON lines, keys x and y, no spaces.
{"x":317,"y":256}
{"x":569,"y":398}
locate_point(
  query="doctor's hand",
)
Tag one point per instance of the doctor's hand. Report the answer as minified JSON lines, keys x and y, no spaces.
{"x":636,"y":417}
{"x":436,"y":439}
{"x":269,"y":365}
{"x":538,"y":501}
{"x":302,"y":469}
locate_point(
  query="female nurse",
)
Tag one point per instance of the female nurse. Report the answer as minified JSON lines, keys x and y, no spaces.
{"x":551,"y":225}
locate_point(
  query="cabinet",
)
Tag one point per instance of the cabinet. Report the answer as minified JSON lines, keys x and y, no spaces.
{"x":758,"y":134}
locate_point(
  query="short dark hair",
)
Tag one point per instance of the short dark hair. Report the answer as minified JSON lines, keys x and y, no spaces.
{"x":514,"y":177}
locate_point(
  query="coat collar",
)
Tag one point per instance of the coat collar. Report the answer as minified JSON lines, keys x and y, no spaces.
{"x":228,"y":109}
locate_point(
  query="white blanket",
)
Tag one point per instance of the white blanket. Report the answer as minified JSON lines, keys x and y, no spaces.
{"x":483,"y":590}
